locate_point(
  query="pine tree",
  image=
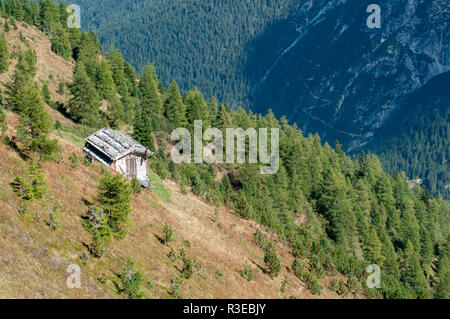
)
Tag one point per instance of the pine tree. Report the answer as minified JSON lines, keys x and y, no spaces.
{"x":117,"y":66}
{"x":151,"y":101}
{"x":24,"y":72}
{"x":114,"y":197}
{"x":372,"y":247}
{"x":197,"y":108}
{"x":412,"y":275}
{"x":224,"y":118}
{"x":61,"y":43}
{"x":46,"y":94}
{"x":116,"y":113}
{"x":271,"y":260}
{"x":31,"y":185}
{"x":105,"y":82}
{"x":4,"y":54}
{"x":84,"y":105}
{"x":213,"y":108}
{"x":35,"y":124}
{"x":97,"y":247}
{"x":3,"y":122}
{"x":132,"y":281}
{"x":175,"y":109}
{"x":143,"y":130}
{"x":167,"y":234}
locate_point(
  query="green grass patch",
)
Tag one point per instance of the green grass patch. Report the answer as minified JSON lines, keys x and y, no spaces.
{"x":156,"y":181}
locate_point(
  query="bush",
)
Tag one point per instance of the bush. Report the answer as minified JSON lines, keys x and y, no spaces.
{"x":339,"y":287}
{"x":58,"y":125}
{"x":175,"y":287}
{"x":61,"y":87}
{"x":283,"y":286}
{"x":46,"y":94}
{"x":260,"y":238}
{"x":167,"y":234}
{"x":188,"y":267}
{"x":312,"y":283}
{"x":73,"y":161}
{"x":97,"y":248}
{"x":136,"y":187}
{"x":272,"y":261}
{"x":32,"y":185}
{"x":54,"y":217}
{"x":132,"y":281}
{"x":247,"y":272}
{"x":298,"y":268}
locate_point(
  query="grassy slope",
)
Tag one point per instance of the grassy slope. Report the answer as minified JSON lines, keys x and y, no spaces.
{"x":34,"y":259}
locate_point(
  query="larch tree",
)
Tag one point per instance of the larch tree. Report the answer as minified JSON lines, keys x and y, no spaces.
{"x":151,"y":101}
{"x":84,"y":105}
{"x":196,"y":108}
{"x":35,"y":124}
{"x":4,"y":54}
{"x":175,"y":109}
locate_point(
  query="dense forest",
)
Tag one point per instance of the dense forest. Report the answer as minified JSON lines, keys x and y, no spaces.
{"x":200,"y":43}
{"x":417,"y":140}
{"x":355,"y":213}
{"x":331,"y":63}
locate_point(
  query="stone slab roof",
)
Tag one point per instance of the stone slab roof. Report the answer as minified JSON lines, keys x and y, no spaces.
{"x":115,"y":144}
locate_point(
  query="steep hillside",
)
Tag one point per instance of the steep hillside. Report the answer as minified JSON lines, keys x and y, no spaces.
{"x":35,"y":258}
{"x":317,"y":222}
{"x":51,"y":68}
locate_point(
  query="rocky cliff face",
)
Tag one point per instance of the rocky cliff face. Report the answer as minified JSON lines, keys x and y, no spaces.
{"x":343,"y":79}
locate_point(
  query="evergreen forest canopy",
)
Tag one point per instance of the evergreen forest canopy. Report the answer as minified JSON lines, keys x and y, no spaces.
{"x":355,"y":214}
{"x":225,"y":48}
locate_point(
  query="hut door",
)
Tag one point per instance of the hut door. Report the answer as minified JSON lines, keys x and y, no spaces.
{"x":131,"y":166}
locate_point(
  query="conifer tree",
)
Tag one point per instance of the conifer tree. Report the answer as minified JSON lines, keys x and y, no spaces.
{"x":151,"y":101}
{"x":7,"y":27}
{"x":196,"y":108}
{"x":132,"y":281}
{"x":271,"y":260}
{"x":213,"y":108}
{"x":105,"y":82}
{"x":31,"y":185}
{"x":46,"y":94}
{"x":174,"y":107}
{"x":224,"y":118}
{"x":372,"y":247}
{"x":3,"y":122}
{"x":442,"y":289}
{"x":84,"y":105}
{"x":114,"y":197}
{"x":143,"y":130}
{"x":117,"y":66}
{"x":60,"y":42}
{"x":4,"y":54}
{"x":116,"y":113}
{"x":24,"y":72}
{"x":35,"y":124}
{"x":412,"y":275}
